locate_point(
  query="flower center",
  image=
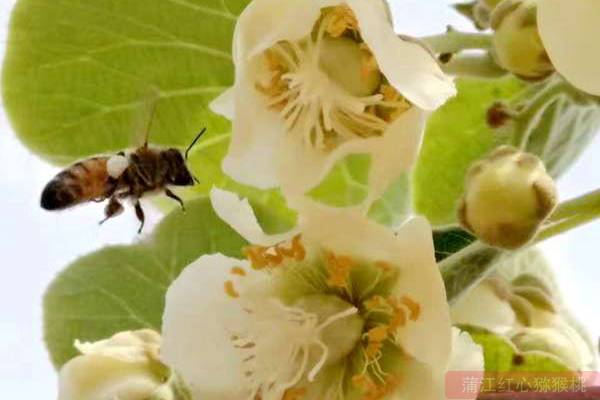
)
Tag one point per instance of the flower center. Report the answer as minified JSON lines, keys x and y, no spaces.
{"x":327,"y":87}
{"x":345,"y":316}
{"x":285,"y":345}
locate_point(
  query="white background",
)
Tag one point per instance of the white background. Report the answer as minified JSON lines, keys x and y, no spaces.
{"x":35,"y":245}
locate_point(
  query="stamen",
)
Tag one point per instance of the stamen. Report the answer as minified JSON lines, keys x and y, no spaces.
{"x":230,"y":290}
{"x":238,"y":271}
{"x":413,"y":307}
{"x":314,"y":106}
{"x":294,"y":394}
{"x":338,"y":269}
{"x":341,"y":19}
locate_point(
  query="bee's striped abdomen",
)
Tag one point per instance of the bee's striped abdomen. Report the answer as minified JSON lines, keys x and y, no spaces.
{"x":87,"y":180}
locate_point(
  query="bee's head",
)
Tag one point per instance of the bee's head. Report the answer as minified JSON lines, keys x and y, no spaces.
{"x":179,"y":174}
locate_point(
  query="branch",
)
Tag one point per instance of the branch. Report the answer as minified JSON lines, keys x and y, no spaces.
{"x":454,"y":42}
{"x":474,"y":65}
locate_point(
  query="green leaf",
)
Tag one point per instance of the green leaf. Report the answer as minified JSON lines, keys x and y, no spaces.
{"x":556,"y":122}
{"x":123,"y":287}
{"x":450,"y":241}
{"x":393,"y":207}
{"x":457,"y":135}
{"x":78,"y":74}
{"x":501,"y":355}
{"x":550,"y":119}
{"x":346,"y":184}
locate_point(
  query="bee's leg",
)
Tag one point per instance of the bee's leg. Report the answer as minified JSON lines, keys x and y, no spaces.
{"x":175,"y":197}
{"x":140,"y":215}
{"x":112,"y":209}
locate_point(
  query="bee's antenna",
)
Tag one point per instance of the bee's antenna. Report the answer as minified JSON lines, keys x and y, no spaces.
{"x":194,"y":143}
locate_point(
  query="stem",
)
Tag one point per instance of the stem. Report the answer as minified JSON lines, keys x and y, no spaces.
{"x":572,"y":214}
{"x":454,"y":42}
{"x":467,"y":268}
{"x":474,"y":65}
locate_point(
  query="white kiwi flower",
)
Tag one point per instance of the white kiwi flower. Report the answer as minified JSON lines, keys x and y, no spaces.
{"x":344,"y":308}
{"x":125,"y":367}
{"x":316,"y":80}
{"x":569,"y":31}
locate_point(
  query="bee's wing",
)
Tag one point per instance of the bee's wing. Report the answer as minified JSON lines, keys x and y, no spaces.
{"x":143,"y":122}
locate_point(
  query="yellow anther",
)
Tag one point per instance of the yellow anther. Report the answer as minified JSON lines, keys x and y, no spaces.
{"x":254,"y":254}
{"x":384,"y":266}
{"x":398,"y":321}
{"x":378,"y":334}
{"x":294,"y":394}
{"x":230,"y":290}
{"x":375,"y":302}
{"x":413,"y":307}
{"x":238,"y":271}
{"x":389,"y":93}
{"x":338,"y":269}
{"x":373,"y":350}
{"x":298,"y":248}
{"x":341,"y":19}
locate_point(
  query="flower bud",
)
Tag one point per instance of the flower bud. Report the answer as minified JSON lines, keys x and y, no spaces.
{"x":507,"y":197}
{"x":559,"y":341}
{"x":517,"y":44}
{"x":482,"y":11}
{"x":126,"y":367}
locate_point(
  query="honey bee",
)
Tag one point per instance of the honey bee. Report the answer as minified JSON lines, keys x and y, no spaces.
{"x":119,"y":177}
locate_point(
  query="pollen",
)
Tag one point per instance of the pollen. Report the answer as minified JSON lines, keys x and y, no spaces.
{"x":338,"y":270}
{"x":378,"y":334}
{"x":373,"y":391}
{"x":261,"y":257}
{"x":340,"y":20}
{"x":384,"y":266}
{"x":294,"y":394}
{"x":375,"y":302}
{"x":238,"y":271}
{"x":413,"y":307}
{"x":230,"y":290}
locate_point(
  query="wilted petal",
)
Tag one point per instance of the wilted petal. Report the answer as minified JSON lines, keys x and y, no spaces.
{"x":570,"y":31}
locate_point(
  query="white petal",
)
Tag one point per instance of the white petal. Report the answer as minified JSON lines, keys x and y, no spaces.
{"x":420,"y":381}
{"x":394,"y":153}
{"x":467,"y":356}
{"x":224,"y":104}
{"x":483,"y":308}
{"x":97,"y":377}
{"x":196,"y":327}
{"x":466,"y":363}
{"x":409,"y":67}
{"x":238,"y":213}
{"x":257,"y":132}
{"x":570,"y":31}
{"x":427,"y":339}
{"x":350,"y":233}
{"x":265,"y":22}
